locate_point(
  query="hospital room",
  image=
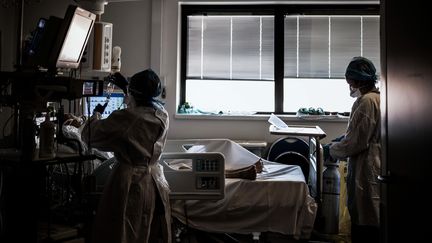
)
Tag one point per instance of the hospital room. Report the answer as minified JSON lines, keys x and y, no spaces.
{"x":214,"y":121}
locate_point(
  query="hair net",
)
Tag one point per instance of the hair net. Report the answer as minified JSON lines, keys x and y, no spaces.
{"x":145,"y":85}
{"x":361,"y":69}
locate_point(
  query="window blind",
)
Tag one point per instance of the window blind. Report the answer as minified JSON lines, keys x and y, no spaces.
{"x":230,"y":47}
{"x":322,"y":46}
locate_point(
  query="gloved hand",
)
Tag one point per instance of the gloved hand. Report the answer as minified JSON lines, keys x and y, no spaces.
{"x":100,"y":108}
{"x":326,"y":151}
{"x":338,"y":139}
{"x":119,"y":80}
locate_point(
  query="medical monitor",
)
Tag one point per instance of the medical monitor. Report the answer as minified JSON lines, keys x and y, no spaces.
{"x":115,"y":103}
{"x":59,"y":42}
{"x":72,"y":38}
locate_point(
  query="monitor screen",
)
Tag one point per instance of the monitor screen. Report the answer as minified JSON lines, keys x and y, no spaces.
{"x":59,"y":43}
{"x":75,"y":39}
{"x":72,"y":37}
{"x":115,"y":103}
{"x":38,"y":50}
{"x":92,"y":88}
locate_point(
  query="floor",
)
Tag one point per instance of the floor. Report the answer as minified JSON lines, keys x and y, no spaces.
{"x":70,"y":235}
{"x":194,"y":236}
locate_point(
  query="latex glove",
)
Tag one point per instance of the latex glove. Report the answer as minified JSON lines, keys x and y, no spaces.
{"x":100,"y":108}
{"x":326,"y":151}
{"x":119,"y":80}
{"x":338,"y":139}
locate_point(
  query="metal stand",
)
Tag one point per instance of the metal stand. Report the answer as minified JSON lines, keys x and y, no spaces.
{"x":25,"y":175}
{"x":314,"y":133}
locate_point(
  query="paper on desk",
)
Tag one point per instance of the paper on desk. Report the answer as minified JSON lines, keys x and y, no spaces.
{"x":277,"y":122}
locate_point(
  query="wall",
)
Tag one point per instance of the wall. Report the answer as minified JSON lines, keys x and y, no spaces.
{"x":132,"y":32}
{"x":147,"y":32}
{"x":131,"y":27}
{"x":406,"y":121}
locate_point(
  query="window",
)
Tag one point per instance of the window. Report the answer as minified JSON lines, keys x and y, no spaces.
{"x":317,"y":51}
{"x":273,"y":58}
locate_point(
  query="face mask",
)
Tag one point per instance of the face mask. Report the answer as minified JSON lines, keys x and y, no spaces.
{"x":355,"y":92}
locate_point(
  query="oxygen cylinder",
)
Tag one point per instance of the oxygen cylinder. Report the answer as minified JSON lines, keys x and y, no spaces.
{"x":330,"y":197}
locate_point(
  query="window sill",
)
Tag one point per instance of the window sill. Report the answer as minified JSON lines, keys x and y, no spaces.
{"x":261,"y":117}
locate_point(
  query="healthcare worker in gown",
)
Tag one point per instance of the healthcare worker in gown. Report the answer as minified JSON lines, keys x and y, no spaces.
{"x":134,"y":206}
{"x":361,"y":145}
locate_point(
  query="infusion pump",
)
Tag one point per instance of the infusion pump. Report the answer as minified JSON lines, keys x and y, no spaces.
{"x":98,"y":54}
{"x":204,"y":179}
{"x":102,"y":46}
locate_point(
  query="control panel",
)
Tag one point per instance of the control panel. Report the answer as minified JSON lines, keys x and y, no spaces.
{"x":207,"y":165}
{"x":205,"y":179}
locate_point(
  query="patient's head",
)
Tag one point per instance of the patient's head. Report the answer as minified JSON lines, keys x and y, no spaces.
{"x":72,"y":120}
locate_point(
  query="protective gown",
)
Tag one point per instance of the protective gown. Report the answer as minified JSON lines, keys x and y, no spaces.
{"x":137,"y":137}
{"x":362,"y":147}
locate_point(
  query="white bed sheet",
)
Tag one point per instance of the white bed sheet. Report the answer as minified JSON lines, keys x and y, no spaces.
{"x":277,"y":201}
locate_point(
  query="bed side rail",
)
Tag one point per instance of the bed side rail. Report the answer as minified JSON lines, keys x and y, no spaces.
{"x":313,"y":177}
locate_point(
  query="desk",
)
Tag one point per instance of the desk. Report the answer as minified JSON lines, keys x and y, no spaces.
{"x":312,"y":132}
{"x":299,"y":130}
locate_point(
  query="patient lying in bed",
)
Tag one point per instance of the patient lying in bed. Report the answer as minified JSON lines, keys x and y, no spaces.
{"x":274,"y":197}
{"x":240,"y":162}
{"x":260,"y":195}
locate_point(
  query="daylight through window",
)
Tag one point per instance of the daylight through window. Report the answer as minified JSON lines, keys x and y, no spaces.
{"x":230,"y":64}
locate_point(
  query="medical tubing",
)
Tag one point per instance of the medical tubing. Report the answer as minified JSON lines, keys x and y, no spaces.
{"x":110,"y":89}
{"x":89,"y":130}
{"x":68,"y":182}
{"x":1,"y":190}
{"x":46,"y":138}
{"x":1,"y":183}
{"x":186,"y":219}
{"x":7,"y":121}
{"x":185,"y":211}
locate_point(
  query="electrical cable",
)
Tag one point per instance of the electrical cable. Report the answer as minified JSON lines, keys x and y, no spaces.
{"x":5,"y":86}
{"x":1,"y":222}
{"x":1,"y":182}
{"x":4,"y":126}
{"x":1,"y":190}
{"x":89,"y":133}
{"x":186,"y":219}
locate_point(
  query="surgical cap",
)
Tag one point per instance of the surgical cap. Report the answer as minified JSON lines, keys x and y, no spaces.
{"x":145,"y":85}
{"x":361,"y":69}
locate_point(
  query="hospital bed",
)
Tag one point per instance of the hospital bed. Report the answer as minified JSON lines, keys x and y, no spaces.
{"x":278,"y":200}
